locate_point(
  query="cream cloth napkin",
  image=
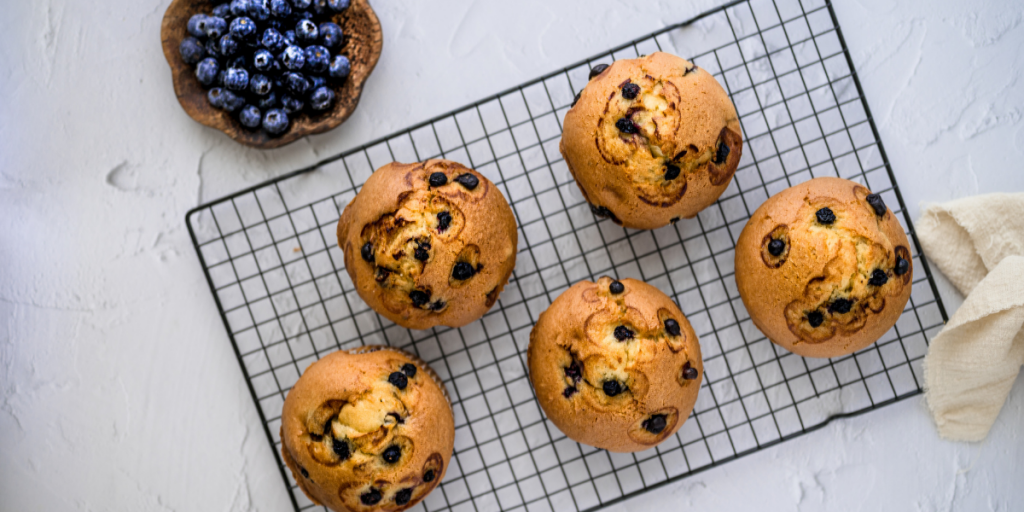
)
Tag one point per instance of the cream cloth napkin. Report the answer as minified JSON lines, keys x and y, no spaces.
{"x":978,"y":243}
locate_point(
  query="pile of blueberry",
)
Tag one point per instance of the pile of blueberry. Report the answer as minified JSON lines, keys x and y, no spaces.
{"x":264,"y":60}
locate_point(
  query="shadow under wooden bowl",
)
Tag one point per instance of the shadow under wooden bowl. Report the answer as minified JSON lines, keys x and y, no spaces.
{"x":362,"y":45}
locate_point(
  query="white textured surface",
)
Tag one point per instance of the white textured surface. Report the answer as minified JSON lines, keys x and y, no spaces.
{"x":118,"y":388}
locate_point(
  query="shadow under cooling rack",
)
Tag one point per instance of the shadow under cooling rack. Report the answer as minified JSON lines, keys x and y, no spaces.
{"x":272,"y":262}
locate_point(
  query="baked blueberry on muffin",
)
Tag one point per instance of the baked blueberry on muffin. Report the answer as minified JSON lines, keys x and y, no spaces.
{"x":615,"y":364}
{"x":651,"y":140}
{"x":429,"y":243}
{"x":367,"y":429}
{"x":824,"y":268}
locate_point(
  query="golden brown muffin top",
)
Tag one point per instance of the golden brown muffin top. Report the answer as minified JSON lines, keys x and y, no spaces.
{"x":824,"y":267}
{"x":615,"y":364}
{"x":367,"y":429}
{"x":429,"y":243}
{"x":652,"y":139}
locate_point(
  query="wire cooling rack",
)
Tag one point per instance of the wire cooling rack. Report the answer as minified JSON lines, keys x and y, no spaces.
{"x":271,"y":258}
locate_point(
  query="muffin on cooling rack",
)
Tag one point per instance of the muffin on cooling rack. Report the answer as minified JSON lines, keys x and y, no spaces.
{"x":615,"y":364}
{"x":429,"y":243}
{"x":651,"y":140}
{"x":824,"y":268}
{"x":367,"y":429}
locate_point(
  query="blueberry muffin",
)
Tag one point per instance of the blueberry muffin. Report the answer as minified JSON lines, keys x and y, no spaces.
{"x":824,"y":268}
{"x":429,"y":243}
{"x":651,"y":140}
{"x":367,"y":429}
{"x":615,"y":364}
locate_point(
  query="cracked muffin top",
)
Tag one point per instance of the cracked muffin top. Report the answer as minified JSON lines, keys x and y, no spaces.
{"x":651,"y":140}
{"x":367,"y":429}
{"x":429,"y":243}
{"x":824,"y":268}
{"x":615,"y":364}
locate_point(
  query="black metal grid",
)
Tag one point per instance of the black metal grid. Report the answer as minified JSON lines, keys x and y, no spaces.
{"x":271,"y":259}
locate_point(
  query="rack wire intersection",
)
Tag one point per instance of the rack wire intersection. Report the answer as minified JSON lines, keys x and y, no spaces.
{"x":271,"y":259}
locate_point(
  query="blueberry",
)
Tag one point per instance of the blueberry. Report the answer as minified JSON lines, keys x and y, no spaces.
{"x":302,"y":4}
{"x":409,"y":370}
{"x":689,"y":372}
{"x":216,"y":27}
{"x":437,"y":179}
{"x":574,"y":372}
{"x":228,"y":45}
{"x":296,"y":83}
{"x":623,"y":333}
{"x":243,"y":28}
{"x":272,"y":40}
{"x":569,"y":391}
{"x":630,"y":91}
{"x":611,"y":387}
{"x":616,"y":287}
{"x":840,"y":306}
{"x":392,"y":454}
{"x":776,"y":246}
{"x":220,"y":77}
{"x":467,"y":180}
{"x":655,"y":424}
{"x":240,"y":7}
{"x":292,"y":104}
{"x":231,"y":101}
{"x":576,"y":99}
{"x":722,"y":153}
{"x":429,"y":475}
{"x":419,"y":297}
{"x":289,"y":36}
{"x":876,"y":203}
{"x":262,"y":59}
{"x":878,"y":277}
{"x":671,"y":172}
{"x":197,"y":25}
{"x":316,"y":82}
{"x":191,"y":50}
{"x":597,"y":70}
{"x":212,"y":47}
{"x":317,"y":58}
{"x":338,"y":5}
{"x":216,"y":97}
{"x":259,"y":10}
{"x":304,"y":15}
{"x":373,"y":496}
{"x":293,"y":58}
{"x":341,"y":449}
{"x":306,"y":31}
{"x":238,"y":62}
{"x":367,"y":252}
{"x":275,"y":121}
{"x":672,"y":327}
{"x":398,"y":380}
{"x":340,"y":67}
{"x":626,"y":126}
{"x":815,"y":318}
{"x":437,"y":305}
{"x":403,"y":496}
{"x":305,"y":474}
{"x":280,"y":8}
{"x":902,"y":266}
{"x":222,"y":10}
{"x":206,"y":71}
{"x":462,"y":271}
{"x":250,"y":116}
{"x":825,"y":216}
{"x":422,"y":252}
{"x":273,"y":23}
{"x":237,"y":79}
{"x":444,"y":219}
{"x":267,"y":102}
{"x":330,"y":34}
{"x":319,"y":7}
{"x":260,"y":85}
{"x":321,"y":98}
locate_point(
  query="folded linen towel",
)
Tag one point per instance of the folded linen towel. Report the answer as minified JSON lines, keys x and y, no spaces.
{"x":978,"y":243}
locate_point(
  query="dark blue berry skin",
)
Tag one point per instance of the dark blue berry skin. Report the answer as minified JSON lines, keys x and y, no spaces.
{"x":212,"y":47}
{"x":191,"y":50}
{"x":340,"y":67}
{"x":236,"y":79}
{"x":306,"y":31}
{"x":216,"y":97}
{"x":296,"y":83}
{"x":302,"y":4}
{"x":216,"y":27}
{"x":206,"y":71}
{"x":220,"y":78}
{"x":222,"y":10}
{"x":273,"y":23}
{"x":239,"y":62}
{"x":275,"y":121}
{"x":268,"y":102}
{"x":260,"y":85}
{"x":293,"y":58}
{"x":228,"y":45}
{"x":262,"y":60}
{"x":259,"y":10}
{"x":243,"y":28}
{"x":231,"y":102}
{"x":321,"y":98}
{"x":330,"y":35}
{"x":276,"y":67}
{"x":317,"y":59}
{"x":304,"y":15}
{"x":316,"y":82}
{"x":319,"y":6}
{"x":338,"y":5}
{"x":280,"y":8}
{"x":240,"y":7}
{"x":250,"y":116}
{"x":289,"y":37}
{"x":197,"y":26}
{"x":292,"y":105}
{"x":272,"y":40}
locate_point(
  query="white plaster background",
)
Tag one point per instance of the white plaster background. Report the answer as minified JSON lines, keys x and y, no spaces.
{"x":118,"y":388}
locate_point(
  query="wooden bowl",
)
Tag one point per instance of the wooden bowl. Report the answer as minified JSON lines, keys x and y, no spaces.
{"x":362,"y":45}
